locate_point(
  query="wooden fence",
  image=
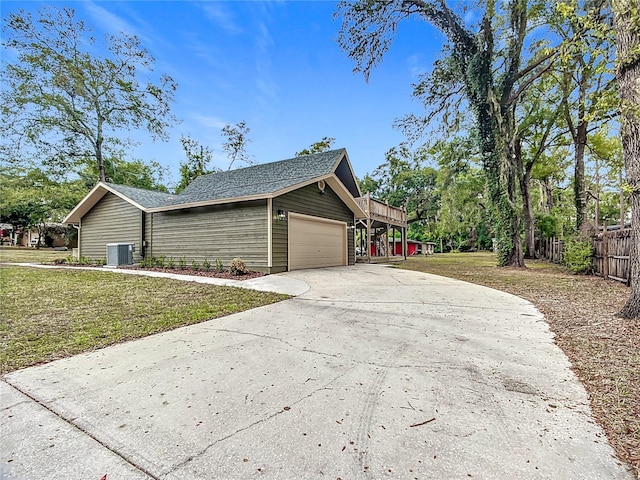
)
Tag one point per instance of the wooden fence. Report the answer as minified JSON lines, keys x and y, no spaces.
{"x":611,"y":253}
{"x":550,"y":249}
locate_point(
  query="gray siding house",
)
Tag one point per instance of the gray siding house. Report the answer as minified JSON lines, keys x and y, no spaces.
{"x":286,"y":215}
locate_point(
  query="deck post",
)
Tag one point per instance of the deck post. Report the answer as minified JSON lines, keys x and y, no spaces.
{"x":405,"y":247}
{"x":386,"y":239}
{"x":368,"y":227}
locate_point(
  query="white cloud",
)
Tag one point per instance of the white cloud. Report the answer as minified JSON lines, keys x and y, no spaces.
{"x":221,"y":17}
{"x":265,"y":84}
{"x":110,"y":22}
{"x":416,"y":65}
{"x":209,"y":121}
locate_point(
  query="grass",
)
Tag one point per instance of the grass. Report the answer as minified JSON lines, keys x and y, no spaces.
{"x":604,"y":350}
{"x":53,"y":313}
{"x":30,"y":255}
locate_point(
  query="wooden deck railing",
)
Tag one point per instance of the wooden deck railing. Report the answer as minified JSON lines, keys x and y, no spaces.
{"x":377,"y":210}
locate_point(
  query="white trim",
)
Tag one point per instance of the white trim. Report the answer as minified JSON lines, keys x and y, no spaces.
{"x":288,"y":241}
{"x":269,"y":232}
{"x":79,"y":239}
{"x":93,"y":197}
{"x":336,"y":185}
{"x":317,"y":219}
{"x":77,"y":207}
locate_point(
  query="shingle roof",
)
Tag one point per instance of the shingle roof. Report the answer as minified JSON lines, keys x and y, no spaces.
{"x":260,"y":179}
{"x":144,"y":198}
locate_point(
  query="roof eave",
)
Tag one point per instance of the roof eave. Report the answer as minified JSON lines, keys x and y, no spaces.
{"x":336,"y":185}
{"x":93,"y":197}
{"x":206,"y":203}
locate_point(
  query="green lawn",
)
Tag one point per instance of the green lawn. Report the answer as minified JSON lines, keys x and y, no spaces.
{"x":52,"y":313}
{"x":30,"y":255}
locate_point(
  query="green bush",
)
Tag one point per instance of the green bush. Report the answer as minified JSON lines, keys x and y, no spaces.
{"x":206,"y":265}
{"x":548,"y":225}
{"x":160,"y":261}
{"x":171,"y":263}
{"x":219,"y":267}
{"x":577,"y":255}
{"x":238,"y":266}
{"x":194,"y":266}
{"x":147,"y":262}
{"x":182,"y":263}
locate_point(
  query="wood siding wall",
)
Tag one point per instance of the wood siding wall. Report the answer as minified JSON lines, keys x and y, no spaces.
{"x":220,"y":231}
{"x":308,"y":201}
{"x":111,"y":220}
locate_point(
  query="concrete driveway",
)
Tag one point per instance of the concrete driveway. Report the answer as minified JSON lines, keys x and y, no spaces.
{"x":373,"y":373}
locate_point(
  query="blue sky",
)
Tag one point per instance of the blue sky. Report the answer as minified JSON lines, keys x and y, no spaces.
{"x":275,"y":65}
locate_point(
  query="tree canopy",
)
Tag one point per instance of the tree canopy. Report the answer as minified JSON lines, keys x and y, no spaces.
{"x":63,"y":105}
{"x":487,"y":62}
{"x":320,"y":146}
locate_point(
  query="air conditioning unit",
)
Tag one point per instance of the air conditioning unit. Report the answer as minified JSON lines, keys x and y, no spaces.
{"x":120,"y":254}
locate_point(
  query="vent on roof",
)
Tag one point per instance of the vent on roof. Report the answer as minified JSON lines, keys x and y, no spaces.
{"x":119,"y":254}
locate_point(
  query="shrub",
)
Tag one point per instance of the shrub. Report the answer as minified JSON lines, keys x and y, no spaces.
{"x":182,"y":263}
{"x":548,"y":225}
{"x":238,"y":266}
{"x":219,"y":267}
{"x":171,"y":263}
{"x":194,"y":266}
{"x":577,"y":255}
{"x":206,"y":265}
{"x":160,"y":261}
{"x":147,"y":262}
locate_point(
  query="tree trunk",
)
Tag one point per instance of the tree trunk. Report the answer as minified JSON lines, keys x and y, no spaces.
{"x":627,"y":23}
{"x":527,"y":210}
{"x":580,"y":193}
{"x":547,"y":195}
{"x":495,"y":127}
{"x":525,"y":193}
{"x":622,"y":222}
{"x":102,"y":175}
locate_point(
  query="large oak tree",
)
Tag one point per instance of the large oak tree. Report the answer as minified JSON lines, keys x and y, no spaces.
{"x":627,"y":24}
{"x":491,"y":69}
{"x":66,"y":102}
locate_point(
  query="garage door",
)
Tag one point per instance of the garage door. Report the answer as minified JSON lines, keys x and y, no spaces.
{"x":316,"y":242}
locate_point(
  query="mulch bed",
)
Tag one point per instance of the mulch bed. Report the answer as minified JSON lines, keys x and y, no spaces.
{"x":226,"y":274}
